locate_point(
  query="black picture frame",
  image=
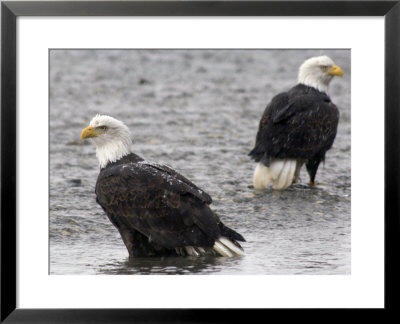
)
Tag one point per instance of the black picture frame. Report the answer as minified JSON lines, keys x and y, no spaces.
{"x":10,"y":10}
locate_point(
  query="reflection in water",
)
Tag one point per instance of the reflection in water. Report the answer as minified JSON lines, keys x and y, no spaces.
{"x":171,"y":265}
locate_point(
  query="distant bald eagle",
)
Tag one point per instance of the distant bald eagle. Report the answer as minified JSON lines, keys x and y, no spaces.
{"x":157,"y":211}
{"x":297,"y":127}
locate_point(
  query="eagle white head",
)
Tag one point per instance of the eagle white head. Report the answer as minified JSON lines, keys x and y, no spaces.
{"x":111,"y":136}
{"x":317,"y":72}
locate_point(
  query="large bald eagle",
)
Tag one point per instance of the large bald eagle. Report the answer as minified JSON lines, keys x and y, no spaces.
{"x":297,"y":127}
{"x":157,"y":211}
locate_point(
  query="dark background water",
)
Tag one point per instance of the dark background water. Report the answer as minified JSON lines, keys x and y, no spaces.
{"x":198,"y":111}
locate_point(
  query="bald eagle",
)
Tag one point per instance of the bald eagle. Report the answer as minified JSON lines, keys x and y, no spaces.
{"x":297,"y":127}
{"x":157,"y":211}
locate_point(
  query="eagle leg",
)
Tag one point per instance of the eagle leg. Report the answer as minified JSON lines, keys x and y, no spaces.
{"x":299,"y":164}
{"x":312,"y":167}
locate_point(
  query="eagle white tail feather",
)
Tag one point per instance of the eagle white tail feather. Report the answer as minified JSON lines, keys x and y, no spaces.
{"x":262,"y":176}
{"x":231,"y":246}
{"x":223,"y":246}
{"x":190,"y":250}
{"x":282,"y":170}
{"x":286,"y":176}
{"x":280,"y":173}
{"x":222,"y":249}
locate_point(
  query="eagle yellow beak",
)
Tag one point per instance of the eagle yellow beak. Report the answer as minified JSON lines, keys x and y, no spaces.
{"x":335,"y":70}
{"x":88,"y":132}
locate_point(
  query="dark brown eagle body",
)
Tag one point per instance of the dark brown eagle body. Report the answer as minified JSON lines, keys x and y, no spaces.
{"x":157,"y":211}
{"x":299,"y":124}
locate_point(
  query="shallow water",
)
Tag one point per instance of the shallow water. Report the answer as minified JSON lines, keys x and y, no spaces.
{"x":197,"y":111}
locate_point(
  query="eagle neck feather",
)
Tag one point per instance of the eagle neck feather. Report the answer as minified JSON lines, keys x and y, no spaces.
{"x":112,"y":151}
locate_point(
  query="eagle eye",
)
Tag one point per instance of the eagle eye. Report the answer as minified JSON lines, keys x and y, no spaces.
{"x":103,"y":128}
{"x":324,"y":68}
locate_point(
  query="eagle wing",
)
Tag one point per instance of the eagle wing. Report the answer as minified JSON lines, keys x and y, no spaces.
{"x":186,"y":186}
{"x":158,"y":202}
{"x":301,"y":127}
{"x":259,"y":151}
